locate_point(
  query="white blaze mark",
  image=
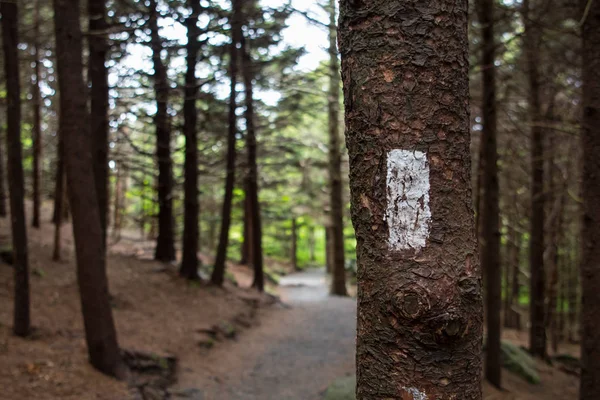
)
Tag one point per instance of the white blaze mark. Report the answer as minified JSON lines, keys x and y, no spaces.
{"x":416,"y":393}
{"x":408,"y":214}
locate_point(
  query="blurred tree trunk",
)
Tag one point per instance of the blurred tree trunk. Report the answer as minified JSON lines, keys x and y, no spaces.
{"x":101,"y":337}
{"x":58,"y":204}
{"x":37,"y":121}
{"x":490,"y":204}
{"x":165,"y":241}
{"x":338,"y":268}
{"x":3,"y":210}
{"x":311,"y":244}
{"x":254,"y":206}
{"x":191,"y":233}
{"x":537,"y":333}
{"x":590,"y":257}
{"x":328,"y":249}
{"x":247,"y":256}
{"x":119,"y":200}
{"x":294,"y":247}
{"x":10,"y":43}
{"x":218,"y":274}
{"x":420,"y":316}
{"x":98,"y":79}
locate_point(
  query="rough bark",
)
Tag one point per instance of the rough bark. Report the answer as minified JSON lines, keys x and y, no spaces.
{"x":590,"y":257}
{"x":191,"y":233}
{"x":490,"y":207}
{"x":338,"y":276}
{"x":218,"y":274}
{"x":165,"y":241}
{"x":59,"y":181}
{"x":98,"y":79}
{"x":10,"y":42}
{"x":254,"y":205}
{"x":537,"y":332}
{"x":36,"y":122}
{"x":100,"y":333}
{"x":405,"y":74}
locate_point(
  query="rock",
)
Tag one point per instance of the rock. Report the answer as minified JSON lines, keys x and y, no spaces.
{"x":342,"y":389}
{"x":191,"y":394}
{"x":519,"y":362}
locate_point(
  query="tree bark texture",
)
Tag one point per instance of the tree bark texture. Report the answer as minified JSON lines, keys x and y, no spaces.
{"x":338,"y":276}
{"x":218,"y":274}
{"x":100,"y":333}
{"x":10,"y":42}
{"x":165,"y":241}
{"x":537,"y":332}
{"x":59,"y":181}
{"x":37,"y":122}
{"x":294,"y":247}
{"x":98,"y":78}
{"x":254,"y":204}
{"x":58,"y":204}
{"x":191,"y":233}
{"x":590,"y":257}
{"x":490,"y":204}
{"x":405,"y":73}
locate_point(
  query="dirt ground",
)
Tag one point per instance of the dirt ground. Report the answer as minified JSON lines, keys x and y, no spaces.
{"x":154,"y":312}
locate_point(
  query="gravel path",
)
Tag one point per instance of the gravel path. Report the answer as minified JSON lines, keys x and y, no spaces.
{"x":294,"y":354}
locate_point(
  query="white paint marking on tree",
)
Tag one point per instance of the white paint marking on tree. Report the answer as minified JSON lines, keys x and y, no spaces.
{"x":416,"y":393}
{"x":408,"y":214}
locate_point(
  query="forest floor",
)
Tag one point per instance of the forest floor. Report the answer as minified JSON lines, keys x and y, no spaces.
{"x":289,"y":350}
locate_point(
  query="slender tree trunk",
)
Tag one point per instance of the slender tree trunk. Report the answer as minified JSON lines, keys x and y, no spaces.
{"x":254,"y":206}
{"x":100,"y":333}
{"x":246,"y":258}
{"x":98,"y":78}
{"x":537,"y":333}
{"x":37,"y":121}
{"x":590,"y":257}
{"x":338,"y":281}
{"x":165,"y":247}
{"x":218,"y":274}
{"x":119,"y":191}
{"x":60,"y":201}
{"x":311,"y":244}
{"x":407,"y":130}
{"x":58,"y":204}
{"x":294,"y":247}
{"x":191,"y":233}
{"x":10,"y":42}
{"x":328,"y":249}
{"x":572,"y":317}
{"x":513,"y":319}
{"x":3,"y":210}
{"x":490,"y":205}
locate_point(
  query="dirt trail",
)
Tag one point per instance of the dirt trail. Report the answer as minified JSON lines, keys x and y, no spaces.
{"x":295,"y":353}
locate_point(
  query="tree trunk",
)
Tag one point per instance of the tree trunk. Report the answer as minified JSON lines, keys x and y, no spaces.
{"x":98,"y":78}
{"x":218,"y":274}
{"x":99,"y":326}
{"x":311,"y":244}
{"x":328,"y":249}
{"x":338,"y":276}
{"x":572,"y":316}
{"x":165,"y":247}
{"x":3,"y":210}
{"x":254,"y":206}
{"x":58,"y":204}
{"x":246,"y":258}
{"x":10,"y":42}
{"x":191,"y":234}
{"x":60,"y":182}
{"x":419,"y":282}
{"x":37,"y":121}
{"x":294,"y":247}
{"x":119,"y":206}
{"x":590,"y":257}
{"x":490,"y":207}
{"x":537,"y":332}
{"x":513,"y":317}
